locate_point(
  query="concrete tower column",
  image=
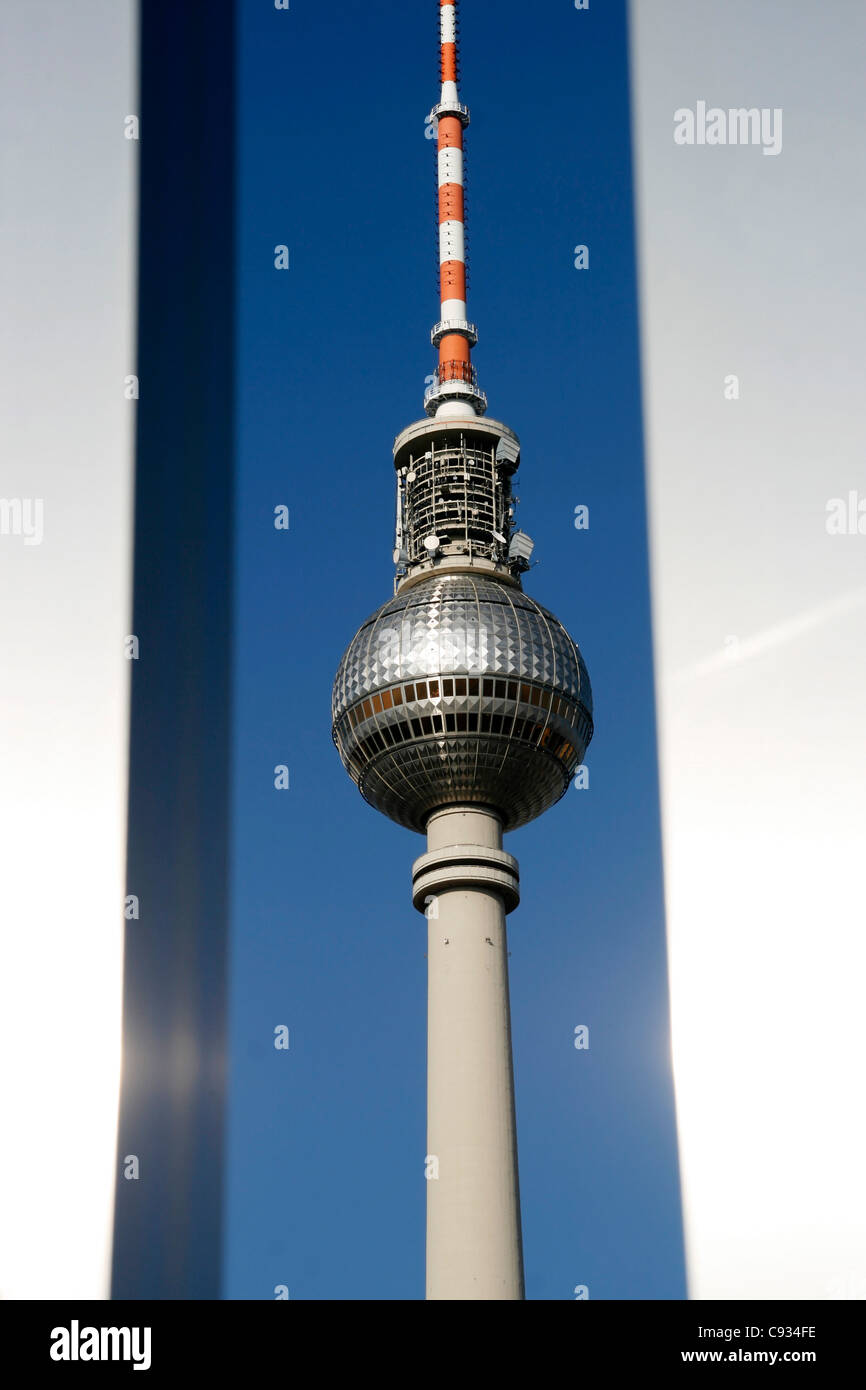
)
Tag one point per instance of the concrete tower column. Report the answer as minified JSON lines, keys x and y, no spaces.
{"x":466,"y":884}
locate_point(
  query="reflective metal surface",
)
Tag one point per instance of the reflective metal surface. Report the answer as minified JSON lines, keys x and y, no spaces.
{"x":462,"y":690}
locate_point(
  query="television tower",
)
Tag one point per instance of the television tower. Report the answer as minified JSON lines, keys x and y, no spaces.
{"x":461,"y":708}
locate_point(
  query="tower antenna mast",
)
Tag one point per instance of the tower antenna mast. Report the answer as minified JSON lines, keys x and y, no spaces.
{"x":455,"y":381}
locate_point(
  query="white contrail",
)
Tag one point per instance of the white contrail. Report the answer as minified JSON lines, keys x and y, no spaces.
{"x":776,"y":636}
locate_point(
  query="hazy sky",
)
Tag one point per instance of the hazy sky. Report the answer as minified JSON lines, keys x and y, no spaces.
{"x":67,"y":261}
{"x":752,"y":266}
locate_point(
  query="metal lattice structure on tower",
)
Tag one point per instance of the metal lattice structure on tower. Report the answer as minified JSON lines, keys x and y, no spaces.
{"x":461,"y":708}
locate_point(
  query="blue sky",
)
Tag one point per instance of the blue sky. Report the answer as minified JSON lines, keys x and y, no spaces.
{"x":325,"y":1189}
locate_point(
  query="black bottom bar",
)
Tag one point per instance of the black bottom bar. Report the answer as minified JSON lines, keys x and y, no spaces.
{"x":608,"y":1338}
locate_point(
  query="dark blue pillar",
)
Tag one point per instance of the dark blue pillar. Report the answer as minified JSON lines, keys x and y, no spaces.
{"x":168,"y":1219}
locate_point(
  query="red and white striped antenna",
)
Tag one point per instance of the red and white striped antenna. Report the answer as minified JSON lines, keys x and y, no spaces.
{"x":454,"y":392}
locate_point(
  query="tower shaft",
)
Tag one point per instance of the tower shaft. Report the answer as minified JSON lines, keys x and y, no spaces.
{"x":466,"y":884}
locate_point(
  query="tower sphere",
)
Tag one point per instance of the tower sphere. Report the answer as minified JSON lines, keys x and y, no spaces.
{"x":462,"y":690}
